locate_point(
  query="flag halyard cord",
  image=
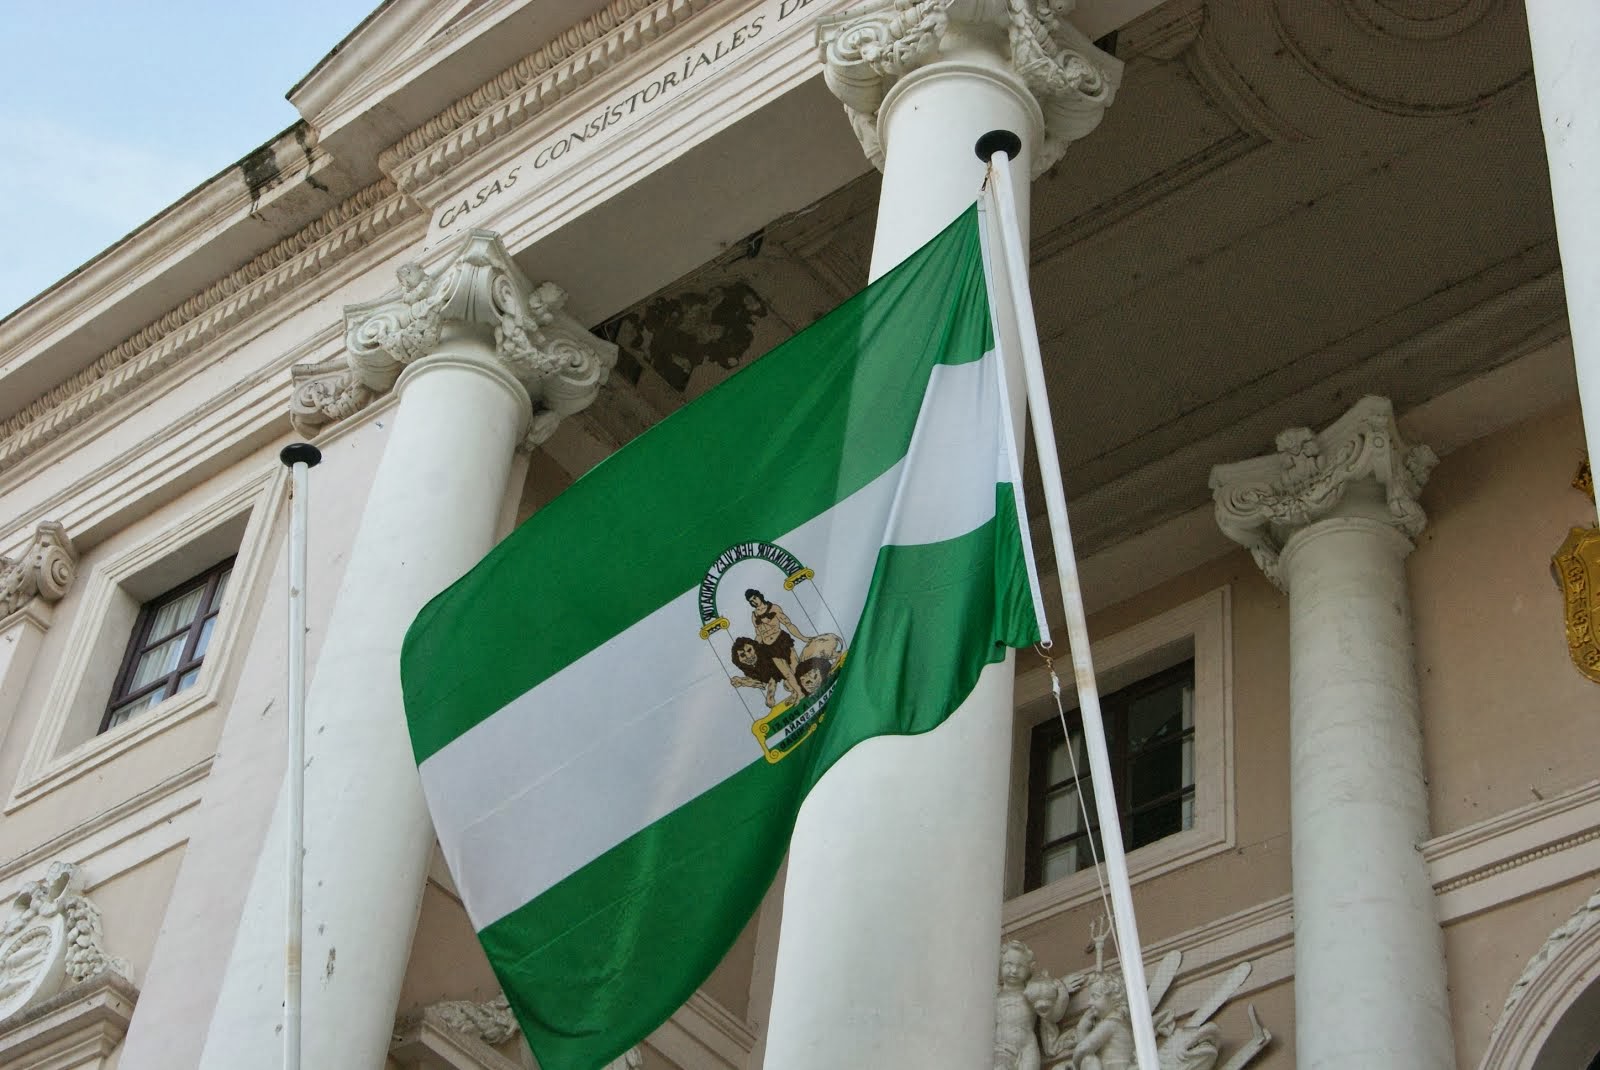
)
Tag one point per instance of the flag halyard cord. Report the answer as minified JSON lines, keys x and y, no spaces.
{"x":998,"y":186}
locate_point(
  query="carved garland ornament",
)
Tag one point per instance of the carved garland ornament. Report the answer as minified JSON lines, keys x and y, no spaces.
{"x":51,"y":938}
{"x":1032,"y":1011}
{"x":1260,"y":502}
{"x":866,"y":49}
{"x":45,"y":570}
{"x":561,"y":365}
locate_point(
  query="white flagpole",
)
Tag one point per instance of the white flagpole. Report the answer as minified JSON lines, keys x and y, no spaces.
{"x":998,"y":147}
{"x":299,"y":458}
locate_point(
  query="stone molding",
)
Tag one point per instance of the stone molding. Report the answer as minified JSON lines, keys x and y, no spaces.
{"x":531,"y":86}
{"x":1516,"y":853}
{"x":1262,"y":501}
{"x":1556,"y":975}
{"x":45,"y":569}
{"x":868,"y":48}
{"x":230,"y":300}
{"x":50,"y":938}
{"x":479,"y":292}
{"x":79,"y":1027}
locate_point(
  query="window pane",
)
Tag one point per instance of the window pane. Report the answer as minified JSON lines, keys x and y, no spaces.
{"x":1188,"y":812}
{"x":178,"y":613}
{"x":222,"y":588}
{"x":1059,"y":762}
{"x":1157,"y":716}
{"x":1061,"y":862}
{"x":188,"y":678}
{"x":138,"y":705}
{"x":205,"y":637}
{"x":1061,"y":814}
{"x":1156,"y":773}
{"x":1157,"y":822}
{"x":154,"y":664}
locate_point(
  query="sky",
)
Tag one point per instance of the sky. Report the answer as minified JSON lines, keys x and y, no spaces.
{"x":111,"y":111}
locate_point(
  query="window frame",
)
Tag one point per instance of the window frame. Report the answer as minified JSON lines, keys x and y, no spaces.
{"x":116,"y":578}
{"x":139,"y":643}
{"x":1200,"y":628}
{"x":1047,"y":734}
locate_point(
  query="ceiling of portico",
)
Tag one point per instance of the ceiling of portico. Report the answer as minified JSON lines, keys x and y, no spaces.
{"x":1290,"y":205}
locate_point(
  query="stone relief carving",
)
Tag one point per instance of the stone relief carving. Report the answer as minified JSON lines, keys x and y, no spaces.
{"x":45,"y":570}
{"x":561,"y":364}
{"x":865,"y":49}
{"x":493,"y":1022}
{"x":1261,"y":501}
{"x":1032,"y":1008}
{"x":50,"y":938}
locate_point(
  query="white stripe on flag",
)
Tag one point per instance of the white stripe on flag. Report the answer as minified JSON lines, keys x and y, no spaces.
{"x":641,"y":725}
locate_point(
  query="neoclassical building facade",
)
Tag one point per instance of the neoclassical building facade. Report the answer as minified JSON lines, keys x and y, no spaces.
{"x":1318,"y":290}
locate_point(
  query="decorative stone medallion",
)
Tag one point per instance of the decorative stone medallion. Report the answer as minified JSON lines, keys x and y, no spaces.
{"x":51,"y":938}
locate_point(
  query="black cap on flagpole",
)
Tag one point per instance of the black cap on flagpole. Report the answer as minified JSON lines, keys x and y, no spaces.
{"x":998,"y":141}
{"x":300,"y":453}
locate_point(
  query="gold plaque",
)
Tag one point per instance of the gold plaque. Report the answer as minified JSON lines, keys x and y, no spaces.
{"x":1577,"y":570}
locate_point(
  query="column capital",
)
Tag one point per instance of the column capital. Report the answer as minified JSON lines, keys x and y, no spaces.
{"x":1358,"y":466}
{"x":481,"y":296}
{"x":866,"y":49}
{"x":45,"y":570}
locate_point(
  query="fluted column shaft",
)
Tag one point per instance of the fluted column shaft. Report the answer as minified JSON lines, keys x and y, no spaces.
{"x":892,"y":907}
{"x":1330,"y":519}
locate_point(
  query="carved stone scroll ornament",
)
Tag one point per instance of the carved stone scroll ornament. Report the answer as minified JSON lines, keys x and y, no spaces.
{"x":1262,"y":501}
{"x":50,"y":938}
{"x":45,"y":570}
{"x":1032,"y":1013}
{"x":479,"y":292}
{"x":866,"y":49}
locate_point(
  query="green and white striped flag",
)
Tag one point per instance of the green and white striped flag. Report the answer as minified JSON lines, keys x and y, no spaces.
{"x":618,"y":712}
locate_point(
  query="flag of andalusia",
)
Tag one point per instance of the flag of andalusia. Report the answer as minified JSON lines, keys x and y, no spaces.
{"x":619,"y":711}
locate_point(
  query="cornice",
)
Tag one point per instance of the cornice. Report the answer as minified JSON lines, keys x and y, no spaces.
{"x":202,"y":318}
{"x":532,"y":85}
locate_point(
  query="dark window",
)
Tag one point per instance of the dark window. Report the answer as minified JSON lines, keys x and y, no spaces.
{"x":1150,"y":736}
{"x":169,"y":642}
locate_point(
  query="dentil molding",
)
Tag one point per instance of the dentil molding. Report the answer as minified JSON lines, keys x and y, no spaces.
{"x":480,"y":291}
{"x":866,"y":49}
{"x":45,"y":570}
{"x":1262,"y":501}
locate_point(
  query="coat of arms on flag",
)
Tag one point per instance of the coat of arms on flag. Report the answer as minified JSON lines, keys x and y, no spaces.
{"x":791,"y":665}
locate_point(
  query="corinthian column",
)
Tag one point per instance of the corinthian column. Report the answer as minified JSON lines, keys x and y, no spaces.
{"x":482,"y":361}
{"x":1330,"y":518}
{"x":892,"y":907}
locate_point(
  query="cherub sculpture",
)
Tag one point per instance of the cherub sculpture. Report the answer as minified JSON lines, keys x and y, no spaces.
{"x":1031,"y":1008}
{"x":1027,"y":999}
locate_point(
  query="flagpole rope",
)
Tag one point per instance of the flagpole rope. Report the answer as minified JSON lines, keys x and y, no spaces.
{"x":1077,"y":786}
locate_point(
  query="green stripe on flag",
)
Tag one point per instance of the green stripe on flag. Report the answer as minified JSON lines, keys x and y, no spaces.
{"x":848,"y":387}
{"x":605,"y":956}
